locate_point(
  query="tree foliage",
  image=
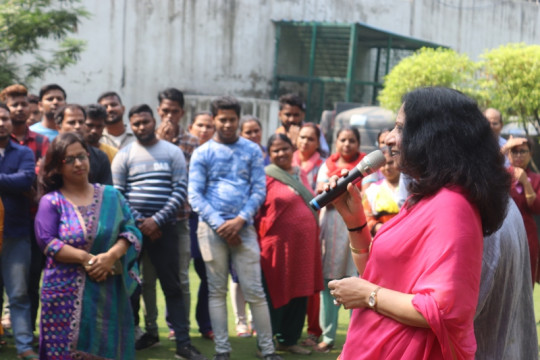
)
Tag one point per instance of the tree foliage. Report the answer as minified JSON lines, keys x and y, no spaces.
{"x":506,"y":78}
{"x":510,"y":82}
{"x":427,"y":67}
{"x":35,"y":38}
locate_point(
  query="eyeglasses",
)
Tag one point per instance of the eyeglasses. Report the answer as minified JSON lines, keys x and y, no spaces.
{"x":519,"y":152}
{"x":70,"y":160}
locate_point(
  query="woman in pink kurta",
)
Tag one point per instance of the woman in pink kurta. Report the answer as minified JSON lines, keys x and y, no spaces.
{"x":419,"y":277}
{"x":432,"y":275}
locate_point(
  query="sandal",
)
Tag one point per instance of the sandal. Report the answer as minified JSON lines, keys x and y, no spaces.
{"x":323,"y":347}
{"x":310,"y":341}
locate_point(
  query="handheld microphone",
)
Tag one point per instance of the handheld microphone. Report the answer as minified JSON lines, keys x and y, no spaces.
{"x":368,"y":165}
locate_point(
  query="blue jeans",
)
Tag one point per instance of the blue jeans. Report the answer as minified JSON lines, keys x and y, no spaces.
{"x":163,"y":254}
{"x":15,"y":265}
{"x":246,"y":260}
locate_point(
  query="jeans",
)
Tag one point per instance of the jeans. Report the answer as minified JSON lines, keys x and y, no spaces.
{"x":201,"y":310}
{"x":163,"y":254}
{"x":150,"y":276}
{"x":15,"y":265}
{"x":246,"y":260}
{"x":36,"y":268}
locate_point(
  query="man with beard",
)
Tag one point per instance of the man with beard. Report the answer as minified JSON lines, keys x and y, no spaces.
{"x":171,"y":110}
{"x":16,"y":98}
{"x":115,"y":133}
{"x":227,"y":186}
{"x":35,"y":113}
{"x":17,"y":174}
{"x":51,"y":98}
{"x":71,"y":118}
{"x":152,"y":175}
{"x":292,"y":111}
{"x":96,"y":115}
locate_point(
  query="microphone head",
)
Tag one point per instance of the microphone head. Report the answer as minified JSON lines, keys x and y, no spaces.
{"x":372,"y":162}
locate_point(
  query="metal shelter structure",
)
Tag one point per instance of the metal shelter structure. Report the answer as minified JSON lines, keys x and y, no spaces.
{"x":333,"y":62}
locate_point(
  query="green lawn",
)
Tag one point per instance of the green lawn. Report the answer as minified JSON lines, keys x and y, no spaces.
{"x":243,"y":348}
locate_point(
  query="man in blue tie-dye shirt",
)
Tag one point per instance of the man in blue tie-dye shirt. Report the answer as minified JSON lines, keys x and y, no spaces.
{"x":227,"y":185}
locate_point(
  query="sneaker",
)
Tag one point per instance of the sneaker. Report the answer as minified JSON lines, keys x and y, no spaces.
{"x":146,"y":341}
{"x":138,"y":332}
{"x":189,"y":352}
{"x":273,"y":356}
{"x":242,"y":331}
{"x":221,"y":356}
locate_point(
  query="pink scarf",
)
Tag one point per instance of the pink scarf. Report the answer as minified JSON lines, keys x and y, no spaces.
{"x":308,"y":165}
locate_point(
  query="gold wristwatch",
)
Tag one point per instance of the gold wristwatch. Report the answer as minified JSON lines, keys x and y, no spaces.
{"x":372,"y":299}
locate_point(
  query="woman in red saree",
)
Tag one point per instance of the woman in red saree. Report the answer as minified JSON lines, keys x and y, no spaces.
{"x":419,"y":277}
{"x":289,"y":240}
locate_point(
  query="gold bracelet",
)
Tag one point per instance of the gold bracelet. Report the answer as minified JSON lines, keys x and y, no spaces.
{"x":358,"y":251}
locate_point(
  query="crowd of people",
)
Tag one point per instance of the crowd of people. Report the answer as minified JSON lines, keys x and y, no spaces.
{"x":94,"y":211}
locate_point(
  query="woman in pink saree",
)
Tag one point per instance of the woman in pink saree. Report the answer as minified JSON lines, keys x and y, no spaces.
{"x":419,"y":277}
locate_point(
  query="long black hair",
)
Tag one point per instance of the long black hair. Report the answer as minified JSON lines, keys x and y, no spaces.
{"x":447,"y":141}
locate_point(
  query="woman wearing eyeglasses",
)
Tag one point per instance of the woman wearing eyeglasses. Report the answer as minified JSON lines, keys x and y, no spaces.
{"x":525,"y":191}
{"x":91,"y":242}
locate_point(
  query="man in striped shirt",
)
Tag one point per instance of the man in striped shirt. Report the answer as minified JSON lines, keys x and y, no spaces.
{"x":152,"y":175}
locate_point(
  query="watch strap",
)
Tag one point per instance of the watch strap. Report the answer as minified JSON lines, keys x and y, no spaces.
{"x":372,"y":300}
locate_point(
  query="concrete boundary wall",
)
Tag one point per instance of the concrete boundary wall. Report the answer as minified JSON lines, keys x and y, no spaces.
{"x":226,"y":47}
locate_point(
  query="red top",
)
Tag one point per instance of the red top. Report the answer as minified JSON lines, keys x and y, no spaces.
{"x":35,"y":142}
{"x":528,"y":212}
{"x":289,"y":240}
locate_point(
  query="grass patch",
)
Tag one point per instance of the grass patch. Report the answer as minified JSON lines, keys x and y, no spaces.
{"x":243,"y":348}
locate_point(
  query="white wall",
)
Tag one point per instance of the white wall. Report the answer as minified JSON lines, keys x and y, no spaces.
{"x":217,"y":47}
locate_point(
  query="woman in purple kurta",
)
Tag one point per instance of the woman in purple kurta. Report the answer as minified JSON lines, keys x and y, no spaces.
{"x":91,"y":243}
